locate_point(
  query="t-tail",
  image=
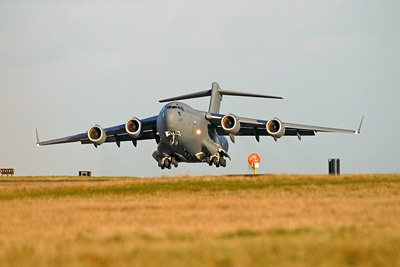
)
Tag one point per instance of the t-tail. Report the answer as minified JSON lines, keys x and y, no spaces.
{"x":216,"y":94}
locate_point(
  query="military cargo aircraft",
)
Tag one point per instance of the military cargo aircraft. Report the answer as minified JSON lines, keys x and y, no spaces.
{"x":184,"y":134}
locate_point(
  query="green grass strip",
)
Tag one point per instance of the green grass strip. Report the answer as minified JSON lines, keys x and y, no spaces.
{"x":165,"y":185}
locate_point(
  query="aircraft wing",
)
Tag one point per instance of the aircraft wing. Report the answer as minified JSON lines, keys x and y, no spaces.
{"x":143,"y":129}
{"x":233,"y":125}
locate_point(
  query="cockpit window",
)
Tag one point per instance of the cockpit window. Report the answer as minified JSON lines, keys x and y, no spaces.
{"x":175,"y":107}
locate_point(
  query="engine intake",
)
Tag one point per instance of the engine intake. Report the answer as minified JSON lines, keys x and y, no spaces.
{"x":230,"y":124}
{"x":134,"y":127}
{"x":97,"y":135}
{"x":275,"y":128}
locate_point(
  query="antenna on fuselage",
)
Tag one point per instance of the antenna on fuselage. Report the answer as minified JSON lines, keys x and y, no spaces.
{"x":216,"y":94}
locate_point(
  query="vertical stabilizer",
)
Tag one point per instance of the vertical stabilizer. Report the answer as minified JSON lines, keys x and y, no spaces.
{"x":215,"y":99}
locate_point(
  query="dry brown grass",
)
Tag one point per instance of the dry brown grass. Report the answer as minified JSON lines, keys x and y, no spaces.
{"x":210,"y":221}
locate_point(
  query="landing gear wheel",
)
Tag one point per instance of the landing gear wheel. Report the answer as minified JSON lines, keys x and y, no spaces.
{"x":216,"y":162}
{"x":167,"y":164}
{"x":222,"y":162}
{"x":174,"y":162}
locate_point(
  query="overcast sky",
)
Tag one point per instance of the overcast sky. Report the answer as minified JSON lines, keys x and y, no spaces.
{"x":67,"y":65}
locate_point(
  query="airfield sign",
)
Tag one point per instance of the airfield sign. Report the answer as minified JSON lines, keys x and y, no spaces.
{"x":7,"y":172}
{"x":254,"y":161}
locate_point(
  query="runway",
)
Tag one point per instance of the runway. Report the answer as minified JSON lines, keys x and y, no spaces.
{"x":41,"y":183}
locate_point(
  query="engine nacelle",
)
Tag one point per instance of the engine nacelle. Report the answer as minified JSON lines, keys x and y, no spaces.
{"x":230,"y":124}
{"x":134,"y":127}
{"x":97,"y":135}
{"x":275,"y":128}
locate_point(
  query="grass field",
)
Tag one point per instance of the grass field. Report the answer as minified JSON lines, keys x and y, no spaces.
{"x":285,"y":220}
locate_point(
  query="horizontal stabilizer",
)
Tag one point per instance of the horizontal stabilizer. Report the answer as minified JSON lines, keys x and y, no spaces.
{"x":221,"y":92}
{"x":216,"y":94}
{"x":225,"y":92}
{"x":188,"y":96}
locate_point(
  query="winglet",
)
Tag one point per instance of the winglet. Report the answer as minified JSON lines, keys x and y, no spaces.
{"x":359,"y":128}
{"x":37,"y":138}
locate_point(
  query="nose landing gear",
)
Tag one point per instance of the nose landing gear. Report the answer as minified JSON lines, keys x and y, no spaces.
{"x":173,"y":134}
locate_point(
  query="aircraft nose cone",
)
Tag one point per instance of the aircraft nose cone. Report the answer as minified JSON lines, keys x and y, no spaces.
{"x":170,"y":118}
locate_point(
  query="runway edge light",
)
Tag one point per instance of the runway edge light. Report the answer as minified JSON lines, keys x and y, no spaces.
{"x":254,"y":161}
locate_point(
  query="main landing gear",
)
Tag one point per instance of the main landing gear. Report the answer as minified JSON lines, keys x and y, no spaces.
{"x":217,"y":160}
{"x":166,"y":162}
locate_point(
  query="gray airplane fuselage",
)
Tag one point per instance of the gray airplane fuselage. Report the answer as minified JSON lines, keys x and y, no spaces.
{"x":186,"y":134}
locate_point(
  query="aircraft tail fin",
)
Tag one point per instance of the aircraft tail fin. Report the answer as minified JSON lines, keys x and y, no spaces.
{"x":215,"y":99}
{"x":216,"y":94}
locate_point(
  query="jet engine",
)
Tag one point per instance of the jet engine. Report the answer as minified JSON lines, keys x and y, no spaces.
{"x":97,"y":135}
{"x":230,"y":124}
{"x":275,"y":128}
{"x":134,"y":127}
